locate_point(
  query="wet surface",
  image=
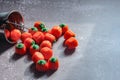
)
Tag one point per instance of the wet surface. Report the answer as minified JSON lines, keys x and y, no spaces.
{"x":96,"y":23}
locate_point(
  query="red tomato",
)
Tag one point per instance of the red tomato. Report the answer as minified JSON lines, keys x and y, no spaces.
{"x":53,"y":63}
{"x":28,"y":42}
{"x":34,"y":48}
{"x":25,"y":35}
{"x":38,"y":37}
{"x":37,"y":56}
{"x":46,"y":43}
{"x":64,"y":28}
{"x":69,"y":34}
{"x":42,"y":66}
{"x":56,"y":31}
{"x":50,"y":37}
{"x":71,"y":43}
{"x":20,"y":49}
{"x":33,"y":30}
{"x":47,"y":52}
{"x":15,"y":35}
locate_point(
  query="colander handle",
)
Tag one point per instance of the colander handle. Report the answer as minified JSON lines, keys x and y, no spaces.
{"x":3,"y":18}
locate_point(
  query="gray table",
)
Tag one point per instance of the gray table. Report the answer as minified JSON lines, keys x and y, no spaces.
{"x":96,"y":23}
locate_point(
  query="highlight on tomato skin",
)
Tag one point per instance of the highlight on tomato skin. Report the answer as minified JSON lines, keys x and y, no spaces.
{"x":69,"y":34}
{"x":56,"y":31}
{"x":71,"y":43}
{"x":15,"y":35}
{"x":20,"y":49}
{"x":46,"y":43}
{"x":49,"y":31}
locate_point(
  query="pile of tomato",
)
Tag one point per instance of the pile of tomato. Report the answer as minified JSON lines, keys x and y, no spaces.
{"x":38,"y":40}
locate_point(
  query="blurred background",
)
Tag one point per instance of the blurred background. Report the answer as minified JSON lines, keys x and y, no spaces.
{"x":96,"y":24}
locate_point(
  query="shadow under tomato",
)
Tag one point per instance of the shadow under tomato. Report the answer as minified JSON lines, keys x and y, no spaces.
{"x":15,"y":57}
{"x":28,"y":57}
{"x":68,"y":52}
{"x":64,"y":43}
{"x":38,"y":74}
{"x":32,"y":69}
{"x":50,"y":72}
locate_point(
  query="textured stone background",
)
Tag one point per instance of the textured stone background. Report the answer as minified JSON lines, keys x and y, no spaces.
{"x":96,"y":23}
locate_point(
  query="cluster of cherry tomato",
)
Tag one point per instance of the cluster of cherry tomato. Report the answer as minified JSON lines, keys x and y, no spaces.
{"x":38,"y":40}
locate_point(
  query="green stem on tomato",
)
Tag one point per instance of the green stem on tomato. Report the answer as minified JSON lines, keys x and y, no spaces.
{"x":41,"y":62}
{"x":42,"y":25}
{"x":62,"y":25}
{"x":34,"y":29}
{"x":33,"y":42}
{"x":35,"y":46}
{"x":44,"y":29}
{"x":20,"y":45}
{"x":53,"y":59}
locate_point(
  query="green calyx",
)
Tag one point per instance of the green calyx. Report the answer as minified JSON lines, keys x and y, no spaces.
{"x":34,"y":29}
{"x":20,"y":45}
{"x":62,"y":25}
{"x":41,"y":62}
{"x":53,"y":59}
{"x":33,"y":42}
{"x":42,"y":25}
{"x":35,"y":46}
{"x":44,"y":29}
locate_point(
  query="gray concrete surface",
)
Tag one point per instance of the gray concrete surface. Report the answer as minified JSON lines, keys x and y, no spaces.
{"x":96,"y":23}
